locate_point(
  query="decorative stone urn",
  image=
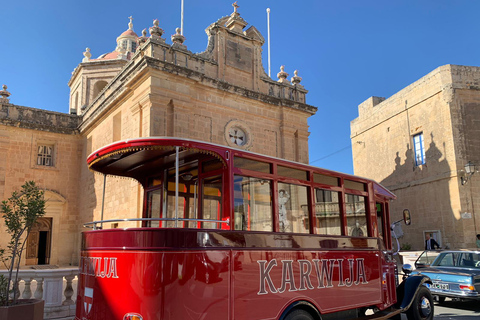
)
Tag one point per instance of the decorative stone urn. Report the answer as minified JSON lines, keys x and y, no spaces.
{"x":26,"y":309}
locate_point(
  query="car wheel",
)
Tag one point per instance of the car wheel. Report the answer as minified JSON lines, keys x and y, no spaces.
{"x":299,"y":314}
{"x":422,"y":306}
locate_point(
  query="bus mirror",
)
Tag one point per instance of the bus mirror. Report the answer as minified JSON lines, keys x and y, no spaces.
{"x":407,"y":217}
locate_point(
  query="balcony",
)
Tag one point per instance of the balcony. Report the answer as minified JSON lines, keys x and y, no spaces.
{"x":57,"y":287}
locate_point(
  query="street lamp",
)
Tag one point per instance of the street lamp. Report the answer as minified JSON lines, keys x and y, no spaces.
{"x":469,"y":170}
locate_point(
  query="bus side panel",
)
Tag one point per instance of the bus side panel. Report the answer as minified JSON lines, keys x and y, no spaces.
{"x":268,"y":282}
{"x":157,"y":285}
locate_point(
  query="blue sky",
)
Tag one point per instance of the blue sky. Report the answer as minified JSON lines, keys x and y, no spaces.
{"x":345,"y":51}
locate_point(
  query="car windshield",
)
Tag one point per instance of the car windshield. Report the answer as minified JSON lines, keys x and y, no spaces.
{"x":458,"y":259}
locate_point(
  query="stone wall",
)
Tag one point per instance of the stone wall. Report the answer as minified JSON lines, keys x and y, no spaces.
{"x":442,"y":105}
{"x":22,"y":130}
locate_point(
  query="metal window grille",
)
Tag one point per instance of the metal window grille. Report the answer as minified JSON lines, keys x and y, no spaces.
{"x":45,"y":156}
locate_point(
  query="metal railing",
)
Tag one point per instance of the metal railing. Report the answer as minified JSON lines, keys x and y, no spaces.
{"x":95,"y":224}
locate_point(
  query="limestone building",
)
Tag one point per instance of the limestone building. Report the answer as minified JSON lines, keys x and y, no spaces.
{"x":145,"y":87}
{"x":417,"y":143}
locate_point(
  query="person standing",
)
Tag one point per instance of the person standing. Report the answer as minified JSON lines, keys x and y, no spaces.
{"x":430,"y":243}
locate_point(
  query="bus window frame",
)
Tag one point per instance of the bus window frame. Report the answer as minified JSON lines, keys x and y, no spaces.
{"x":165,"y":179}
{"x":228,"y":172}
{"x":368,"y":191}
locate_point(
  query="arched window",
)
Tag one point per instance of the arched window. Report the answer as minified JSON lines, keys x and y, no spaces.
{"x":98,"y":87}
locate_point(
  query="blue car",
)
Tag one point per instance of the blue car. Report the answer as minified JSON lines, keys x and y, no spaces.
{"x":454,"y":274}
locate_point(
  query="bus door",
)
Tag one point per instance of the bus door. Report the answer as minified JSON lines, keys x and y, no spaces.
{"x":388,"y":263}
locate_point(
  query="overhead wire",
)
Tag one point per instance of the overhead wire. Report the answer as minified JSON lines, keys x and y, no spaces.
{"x":331,"y":154}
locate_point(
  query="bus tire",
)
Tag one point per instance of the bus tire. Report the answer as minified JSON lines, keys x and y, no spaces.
{"x":299,"y":314}
{"x":422,"y":306}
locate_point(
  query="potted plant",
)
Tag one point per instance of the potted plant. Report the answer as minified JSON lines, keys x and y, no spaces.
{"x":20,"y":213}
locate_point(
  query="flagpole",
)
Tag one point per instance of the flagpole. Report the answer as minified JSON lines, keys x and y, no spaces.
{"x":181,"y":23}
{"x":268,"y":28}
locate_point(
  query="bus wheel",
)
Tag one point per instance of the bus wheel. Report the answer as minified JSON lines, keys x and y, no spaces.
{"x":422,"y":306}
{"x":299,"y":314}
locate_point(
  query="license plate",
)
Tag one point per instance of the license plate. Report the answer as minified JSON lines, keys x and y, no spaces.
{"x":442,"y":286}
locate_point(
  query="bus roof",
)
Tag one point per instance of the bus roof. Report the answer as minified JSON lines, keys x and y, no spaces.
{"x":137,"y":158}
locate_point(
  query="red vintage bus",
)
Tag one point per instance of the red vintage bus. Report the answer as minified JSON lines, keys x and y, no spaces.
{"x":230,"y":234}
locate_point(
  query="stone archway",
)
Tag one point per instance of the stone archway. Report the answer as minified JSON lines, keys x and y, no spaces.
{"x":40,"y":246}
{"x":39,"y":242}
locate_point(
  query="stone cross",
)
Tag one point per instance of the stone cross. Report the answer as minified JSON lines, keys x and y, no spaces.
{"x":130,"y":24}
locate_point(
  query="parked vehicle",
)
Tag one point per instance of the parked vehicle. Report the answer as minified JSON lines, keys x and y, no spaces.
{"x":426,"y":258}
{"x":454,"y":274}
{"x":229,"y":234}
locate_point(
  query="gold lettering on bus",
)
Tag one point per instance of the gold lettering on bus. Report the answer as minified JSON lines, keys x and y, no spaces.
{"x":98,"y":267}
{"x":325,"y":273}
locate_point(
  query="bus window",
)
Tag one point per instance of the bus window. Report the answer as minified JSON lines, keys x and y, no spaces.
{"x":186,"y":204}
{"x":253,"y":165}
{"x":253,"y":204}
{"x":293,"y":208}
{"x":327,"y":212}
{"x":328,"y":180}
{"x":380,"y":220}
{"x":292,"y":173}
{"x":349,"y":184}
{"x":356,"y":215}
{"x":212,"y":201}
{"x":153,"y":206}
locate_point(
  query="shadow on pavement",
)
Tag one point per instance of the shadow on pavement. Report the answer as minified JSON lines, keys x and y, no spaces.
{"x":463,"y":305}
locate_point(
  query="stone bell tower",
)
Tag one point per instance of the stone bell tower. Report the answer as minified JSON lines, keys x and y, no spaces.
{"x":91,"y":76}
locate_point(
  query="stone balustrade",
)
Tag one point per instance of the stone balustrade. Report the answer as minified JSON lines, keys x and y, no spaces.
{"x":56,"y":287}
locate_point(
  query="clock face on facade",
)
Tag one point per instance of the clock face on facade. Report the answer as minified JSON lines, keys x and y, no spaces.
{"x":237,"y":134}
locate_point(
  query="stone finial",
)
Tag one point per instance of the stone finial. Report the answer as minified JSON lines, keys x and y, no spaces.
{"x":87,"y":55}
{"x":130,"y":24}
{"x":4,"y":94}
{"x":155,"y":31}
{"x":296,"y":79}
{"x":178,"y":37}
{"x":141,"y":40}
{"x":235,"y":22}
{"x":282,"y":75}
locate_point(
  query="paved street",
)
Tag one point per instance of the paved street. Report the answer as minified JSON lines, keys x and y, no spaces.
{"x":457,"y":310}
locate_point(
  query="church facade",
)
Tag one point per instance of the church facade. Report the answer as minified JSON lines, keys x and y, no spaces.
{"x":145,"y":87}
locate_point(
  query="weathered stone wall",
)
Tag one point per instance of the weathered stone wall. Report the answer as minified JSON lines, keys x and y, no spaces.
{"x":21,"y":131}
{"x":382,"y":147}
